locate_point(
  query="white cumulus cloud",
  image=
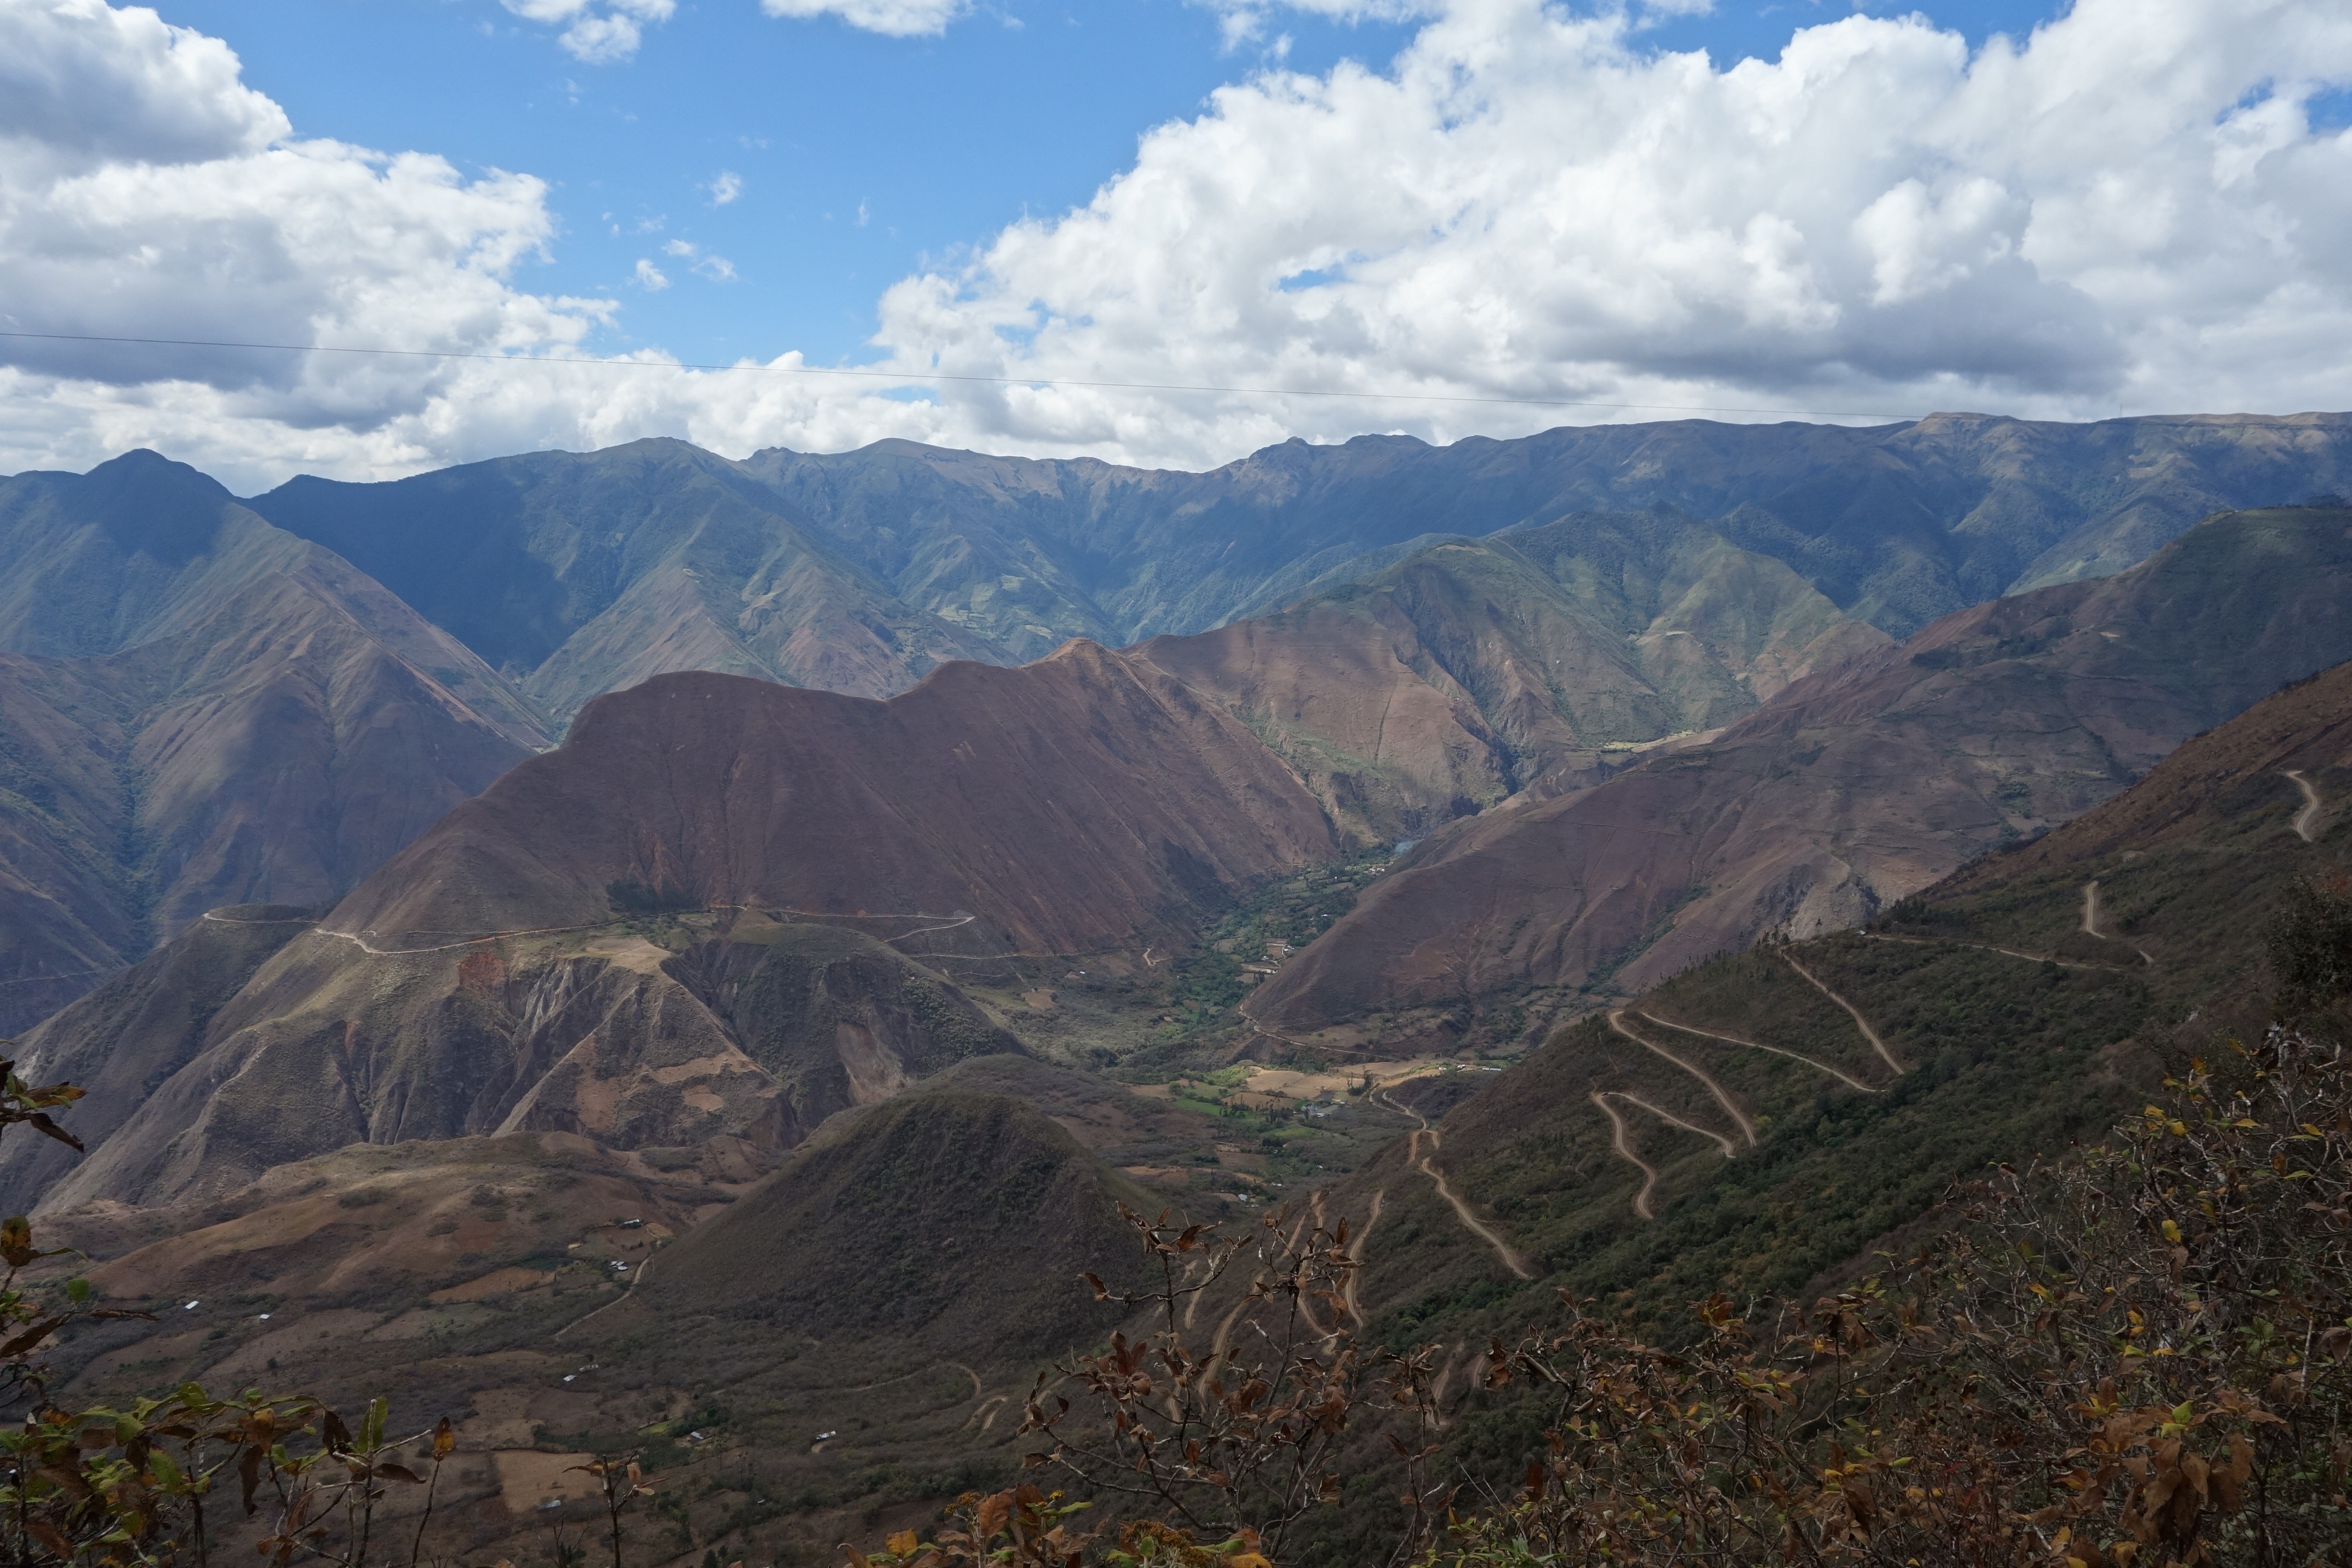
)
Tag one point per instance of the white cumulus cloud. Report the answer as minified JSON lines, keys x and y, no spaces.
{"x":895,"y":18}
{"x":2129,"y":211}
{"x":598,"y":32}
{"x":82,"y":84}
{"x":724,"y":187}
{"x":1239,"y":21}
{"x":145,"y":192}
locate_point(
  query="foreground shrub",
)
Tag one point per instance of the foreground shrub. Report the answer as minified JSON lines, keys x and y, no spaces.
{"x":2138,"y":1356}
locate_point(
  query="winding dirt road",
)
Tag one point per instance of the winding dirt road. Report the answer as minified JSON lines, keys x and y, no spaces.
{"x":1356,"y":1251}
{"x":2303,"y":819}
{"x":1739,"y":1118}
{"x":447,"y":946}
{"x":1486,"y":1233}
{"x":1624,"y":1147}
{"x":68,"y":974}
{"x":2090,"y":922}
{"x":1730,"y":1149}
{"x":636,"y":1277}
{"x":1510,"y":1256}
{"x":1760,"y":1046}
{"x":1854,"y":1012}
{"x":951,"y":923}
{"x":2004,"y":952}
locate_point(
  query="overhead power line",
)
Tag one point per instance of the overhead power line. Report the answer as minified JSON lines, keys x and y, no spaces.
{"x":896,"y":375}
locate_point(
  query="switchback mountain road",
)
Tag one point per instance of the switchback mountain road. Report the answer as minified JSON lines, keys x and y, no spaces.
{"x":2091,"y":922}
{"x":1855,"y":1013}
{"x":1759,"y":1045}
{"x":2310,"y":805}
{"x":1722,"y":1096}
{"x":1730,"y":1149}
{"x":1420,"y":1161}
{"x":1624,"y":1147}
{"x":1486,"y":1233}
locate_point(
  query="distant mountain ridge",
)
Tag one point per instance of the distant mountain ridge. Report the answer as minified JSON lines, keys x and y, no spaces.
{"x":1494,"y":617}
{"x":576,"y":573}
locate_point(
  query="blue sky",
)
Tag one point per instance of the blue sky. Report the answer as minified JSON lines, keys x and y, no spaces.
{"x":861,"y":157}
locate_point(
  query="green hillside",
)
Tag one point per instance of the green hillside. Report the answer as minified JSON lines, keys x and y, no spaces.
{"x":2016,"y":1031}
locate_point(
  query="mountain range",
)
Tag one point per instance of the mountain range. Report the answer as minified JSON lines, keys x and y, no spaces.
{"x":197,"y":708}
{"x":213,"y":702}
{"x":1853,"y":787}
{"x":834,"y":1345}
{"x":644,"y":948}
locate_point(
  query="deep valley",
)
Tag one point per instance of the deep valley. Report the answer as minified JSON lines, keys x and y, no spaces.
{"x":718,"y":964}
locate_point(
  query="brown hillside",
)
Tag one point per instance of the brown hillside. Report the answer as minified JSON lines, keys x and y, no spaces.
{"x":874,"y":1228}
{"x":1083,"y":802}
{"x":752,"y":1036}
{"x":1472,"y":668}
{"x":278,"y":749}
{"x":127,"y":1036}
{"x":2306,"y":729}
{"x":1854,"y":788}
{"x":896,"y":1285}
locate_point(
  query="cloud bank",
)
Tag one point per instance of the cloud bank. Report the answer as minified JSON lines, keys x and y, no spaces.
{"x":2128,"y":212}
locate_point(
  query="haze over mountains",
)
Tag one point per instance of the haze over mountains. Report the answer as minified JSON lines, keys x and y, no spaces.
{"x":1853,"y":787}
{"x":435,"y":628}
{"x":197,"y":708}
{"x":850,"y":863}
{"x":539,"y":561}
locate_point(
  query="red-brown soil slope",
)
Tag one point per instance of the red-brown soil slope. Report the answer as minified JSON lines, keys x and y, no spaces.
{"x":127,"y":1037}
{"x":276,"y":749}
{"x":751,"y":1034}
{"x":1854,"y":788}
{"x":1083,"y":802}
{"x":1472,"y":669}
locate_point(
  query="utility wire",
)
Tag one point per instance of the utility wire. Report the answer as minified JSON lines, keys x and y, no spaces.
{"x":948,"y":375}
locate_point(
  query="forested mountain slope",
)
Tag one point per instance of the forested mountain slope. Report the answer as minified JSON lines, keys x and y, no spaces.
{"x":1768,"y":1115}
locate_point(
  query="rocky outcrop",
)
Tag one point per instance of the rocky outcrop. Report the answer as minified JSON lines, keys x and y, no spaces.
{"x":616,"y":1039}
